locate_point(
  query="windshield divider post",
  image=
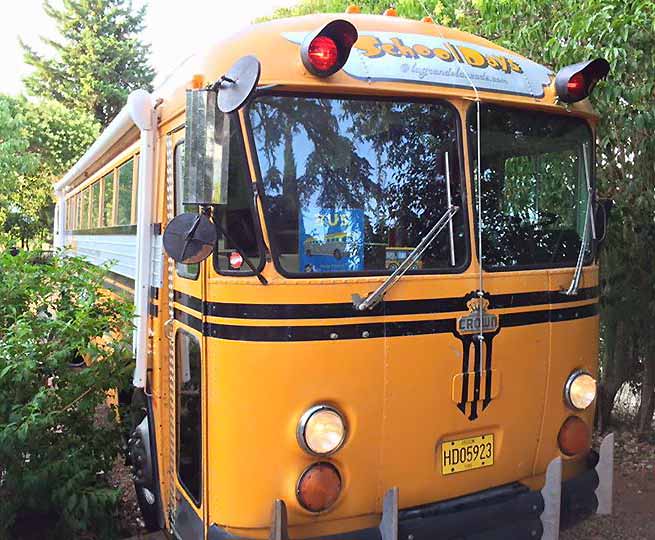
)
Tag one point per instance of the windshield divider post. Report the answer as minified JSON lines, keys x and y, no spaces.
{"x":374,"y":298}
{"x":450,"y":205}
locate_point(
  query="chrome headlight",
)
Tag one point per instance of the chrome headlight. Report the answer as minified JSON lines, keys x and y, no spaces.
{"x":321,"y":430}
{"x":580,"y":390}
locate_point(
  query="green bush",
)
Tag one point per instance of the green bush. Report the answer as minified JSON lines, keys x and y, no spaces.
{"x":58,"y":442}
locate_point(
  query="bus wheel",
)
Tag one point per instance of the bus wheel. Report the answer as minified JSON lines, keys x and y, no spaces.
{"x":140,"y":458}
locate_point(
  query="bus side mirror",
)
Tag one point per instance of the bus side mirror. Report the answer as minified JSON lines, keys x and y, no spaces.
{"x":601,"y":217}
{"x":189,"y":238}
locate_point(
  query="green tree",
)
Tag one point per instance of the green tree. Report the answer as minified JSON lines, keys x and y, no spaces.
{"x":558,"y":33}
{"x":97,"y":62}
{"x":39,"y":141}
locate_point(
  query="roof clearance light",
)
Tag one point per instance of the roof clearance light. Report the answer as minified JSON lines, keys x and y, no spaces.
{"x":390,"y":12}
{"x":575,"y":82}
{"x":353,"y":9}
{"x":325,"y":52}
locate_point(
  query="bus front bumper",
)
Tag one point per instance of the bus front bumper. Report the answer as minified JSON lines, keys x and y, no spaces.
{"x":512,"y":511}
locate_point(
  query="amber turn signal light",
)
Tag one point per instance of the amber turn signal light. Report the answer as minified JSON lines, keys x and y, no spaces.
{"x":574,"y":436}
{"x":319,"y":487}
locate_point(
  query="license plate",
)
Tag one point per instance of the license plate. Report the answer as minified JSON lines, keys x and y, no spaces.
{"x":467,"y":454}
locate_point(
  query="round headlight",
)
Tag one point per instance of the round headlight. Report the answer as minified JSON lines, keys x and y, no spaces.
{"x":321,"y":430}
{"x":580,"y":390}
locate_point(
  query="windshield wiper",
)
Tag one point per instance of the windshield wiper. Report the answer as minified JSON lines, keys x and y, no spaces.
{"x":374,"y":298}
{"x":589,"y":220}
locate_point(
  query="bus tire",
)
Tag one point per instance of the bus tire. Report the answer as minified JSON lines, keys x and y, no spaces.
{"x":143,"y":475}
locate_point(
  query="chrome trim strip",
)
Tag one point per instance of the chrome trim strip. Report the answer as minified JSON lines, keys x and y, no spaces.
{"x":389,"y":522}
{"x":605,"y":471}
{"x":552,"y":494}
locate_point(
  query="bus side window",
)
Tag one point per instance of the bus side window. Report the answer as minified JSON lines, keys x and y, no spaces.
{"x":238,"y":216}
{"x":125,"y":180}
{"x":188,"y":271}
{"x":108,"y":200}
{"x":95,"y":205}
{"x":189,"y":413}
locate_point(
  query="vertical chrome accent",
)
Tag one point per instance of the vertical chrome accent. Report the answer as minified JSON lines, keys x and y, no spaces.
{"x":279,"y":528}
{"x":450,"y":205}
{"x":170,"y":211}
{"x":552,"y":495}
{"x":389,"y":522}
{"x":479,"y":185}
{"x":605,"y":471}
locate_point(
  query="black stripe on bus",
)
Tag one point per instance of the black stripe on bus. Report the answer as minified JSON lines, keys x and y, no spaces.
{"x":369,"y":330}
{"x":393,"y":307}
{"x":188,"y":301}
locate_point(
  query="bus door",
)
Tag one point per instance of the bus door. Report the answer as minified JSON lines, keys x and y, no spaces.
{"x":187,"y":378}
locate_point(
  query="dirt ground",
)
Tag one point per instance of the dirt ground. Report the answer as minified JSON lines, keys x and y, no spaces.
{"x":633,"y":517}
{"x":634,"y":497}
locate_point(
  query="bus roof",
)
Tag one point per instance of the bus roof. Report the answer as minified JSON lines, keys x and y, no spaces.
{"x":393,"y":56}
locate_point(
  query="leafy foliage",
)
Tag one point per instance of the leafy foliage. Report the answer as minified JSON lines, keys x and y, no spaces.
{"x":38,"y":142}
{"x":99,"y":60}
{"x":56,"y":448}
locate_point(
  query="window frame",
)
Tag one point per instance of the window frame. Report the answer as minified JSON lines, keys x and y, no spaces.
{"x":459,"y":141}
{"x":178,"y":265}
{"x":187,"y":333}
{"x":253,"y":187}
{"x":472,"y":152}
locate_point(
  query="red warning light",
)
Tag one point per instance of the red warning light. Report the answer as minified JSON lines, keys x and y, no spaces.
{"x":575,"y":82}
{"x":577,"y":85}
{"x":236,"y":260}
{"x":323,"y":53}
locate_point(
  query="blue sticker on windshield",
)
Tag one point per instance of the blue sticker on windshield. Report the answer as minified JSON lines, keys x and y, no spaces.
{"x":331,"y":240}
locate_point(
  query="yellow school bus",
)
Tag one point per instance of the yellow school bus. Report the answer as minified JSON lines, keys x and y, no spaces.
{"x":293,"y":392}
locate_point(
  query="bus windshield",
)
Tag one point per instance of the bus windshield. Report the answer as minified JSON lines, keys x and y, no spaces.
{"x":535,"y":171}
{"x":353,"y":185}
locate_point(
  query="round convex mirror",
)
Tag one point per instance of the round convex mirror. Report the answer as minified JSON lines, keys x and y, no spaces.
{"x":189,"y":238}
{"x":238,"y":84}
